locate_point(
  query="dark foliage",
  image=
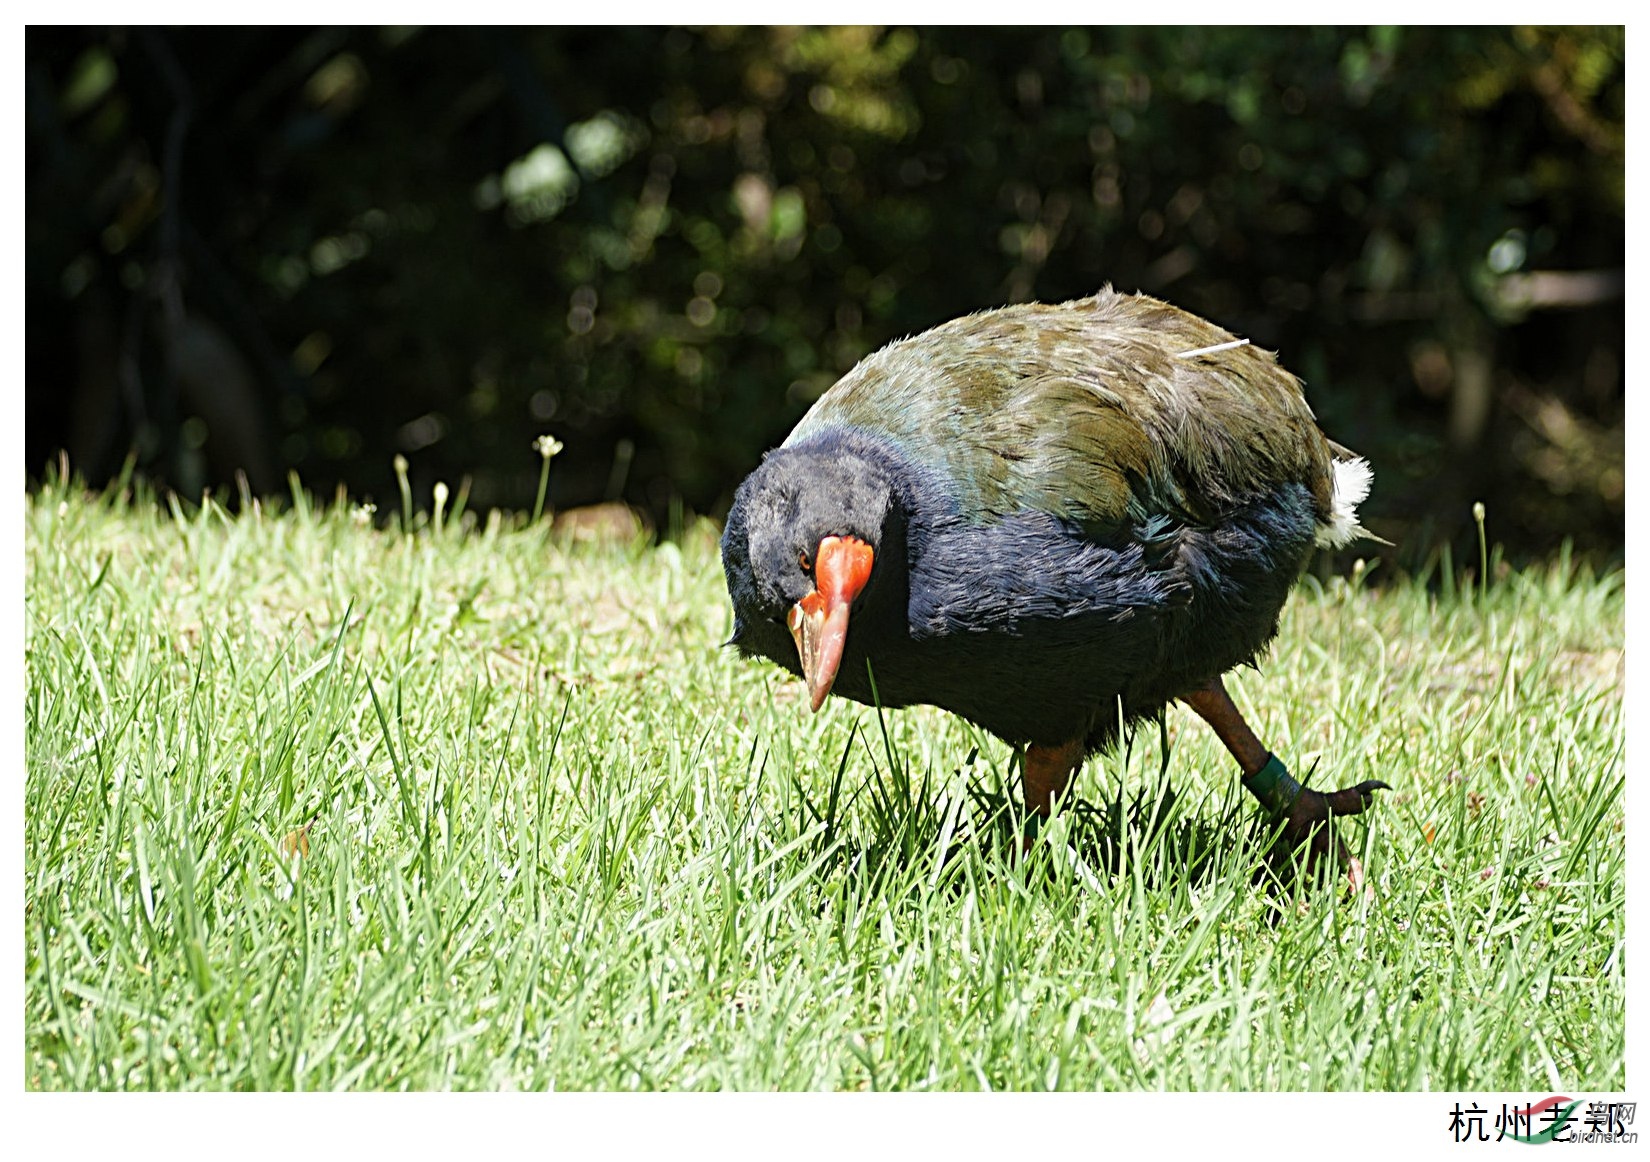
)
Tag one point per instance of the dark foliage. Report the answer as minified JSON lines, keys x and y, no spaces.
{"x":313,"y":249}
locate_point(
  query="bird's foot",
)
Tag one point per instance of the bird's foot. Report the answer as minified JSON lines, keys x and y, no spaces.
{"x":1308,"y":820}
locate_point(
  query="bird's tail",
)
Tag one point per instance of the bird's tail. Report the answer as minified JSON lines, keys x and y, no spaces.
{"x":1352,"y":479}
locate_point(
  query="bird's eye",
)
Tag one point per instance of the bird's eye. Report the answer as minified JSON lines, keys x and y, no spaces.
{"x":802,"y":559}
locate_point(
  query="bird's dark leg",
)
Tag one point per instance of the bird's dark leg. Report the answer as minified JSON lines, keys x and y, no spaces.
{"x":1304,"y":813}
{"x":1216,"y":707}
{"x":1046,"y":773}
{"x":1048,"y":770}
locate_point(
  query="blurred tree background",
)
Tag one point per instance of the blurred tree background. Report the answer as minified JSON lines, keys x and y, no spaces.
{"x":310,"y":250}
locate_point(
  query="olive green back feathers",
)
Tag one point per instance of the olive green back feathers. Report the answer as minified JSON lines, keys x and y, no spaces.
{"x":1103,"y":411}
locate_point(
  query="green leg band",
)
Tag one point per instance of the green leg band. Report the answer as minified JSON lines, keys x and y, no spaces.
{"x":1274,"y":786}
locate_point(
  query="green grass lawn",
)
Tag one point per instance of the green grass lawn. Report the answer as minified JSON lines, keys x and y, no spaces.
{"x":311,"y":804}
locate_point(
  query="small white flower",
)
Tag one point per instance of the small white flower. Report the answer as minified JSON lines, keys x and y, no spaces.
{"x":361,"y":514}
{"x":547,"y":445}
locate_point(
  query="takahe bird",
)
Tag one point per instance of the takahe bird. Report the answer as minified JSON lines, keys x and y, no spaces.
{"x":1053,"y":521}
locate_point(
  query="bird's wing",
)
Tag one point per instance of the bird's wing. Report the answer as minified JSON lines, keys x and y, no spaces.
{"x":1108,"y":411}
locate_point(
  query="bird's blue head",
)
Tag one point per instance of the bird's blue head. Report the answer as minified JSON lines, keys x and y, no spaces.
{"x":802,"y":543}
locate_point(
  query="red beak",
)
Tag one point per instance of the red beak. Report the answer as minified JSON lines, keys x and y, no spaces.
{"x":819,"y":622}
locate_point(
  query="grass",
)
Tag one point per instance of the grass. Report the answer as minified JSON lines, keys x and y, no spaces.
{"x":311,"y":804}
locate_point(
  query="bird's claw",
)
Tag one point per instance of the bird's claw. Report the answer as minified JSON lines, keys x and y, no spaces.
{"x":1352,"y":800}
{"x":1310,"y":824}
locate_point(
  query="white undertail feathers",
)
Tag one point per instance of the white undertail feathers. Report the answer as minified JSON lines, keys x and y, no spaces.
{"x":1352,"y":480}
